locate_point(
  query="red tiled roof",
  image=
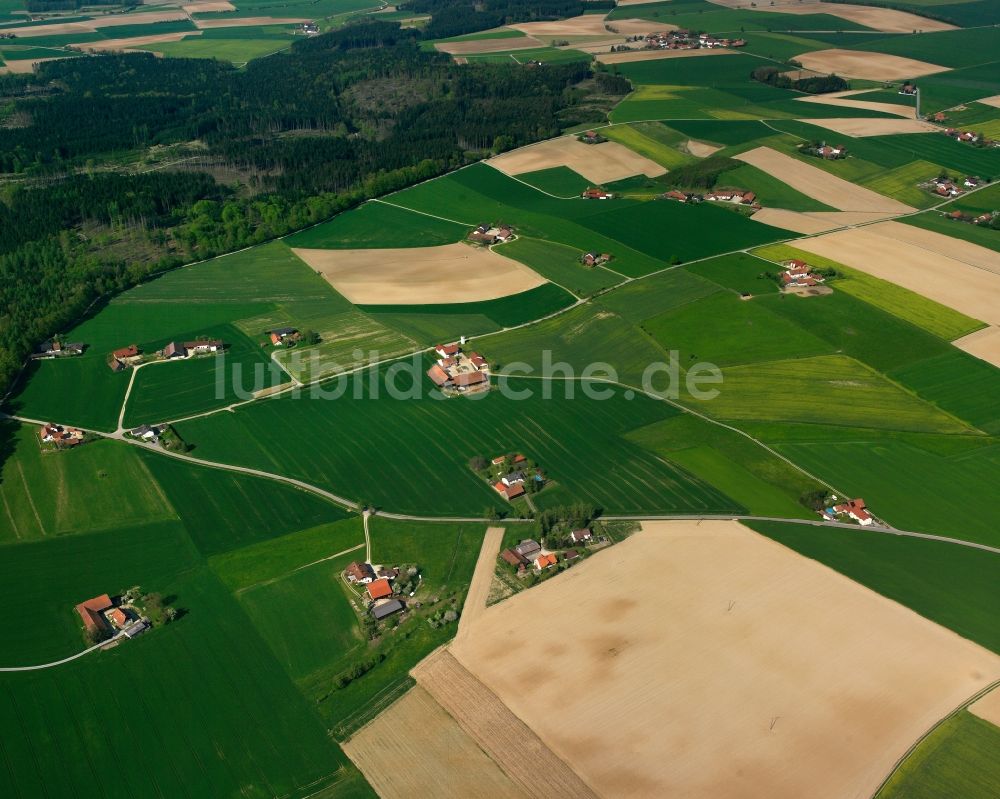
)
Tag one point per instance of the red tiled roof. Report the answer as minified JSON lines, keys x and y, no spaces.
{"x":438,"y":375}
{"x":91,"y":609}
{"x":469,"y":379}
{"x":448,"y":349}
{"x":545,"y":561}
{"x":379,"y":589}
{"x":126,"y":352}
{"x":514,"y":491}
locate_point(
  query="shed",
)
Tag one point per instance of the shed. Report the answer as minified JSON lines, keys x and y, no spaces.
{"x":387,"y":609}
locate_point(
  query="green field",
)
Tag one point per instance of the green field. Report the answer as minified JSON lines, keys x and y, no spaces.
{"x":919,"y":574}
{"x":738,"y":272}
{"x":651,"y":140}
{"x":943,"y":150}
{"x":547,"y":55}
{"x":561,"y":265}
{"x":939,"y":223}
{"x":771,"y":192}
{"x":405,"y":462}
{"x":957,"y":759}
{"x":830,"y":389}
{"x":947,"y":89}
{"x":707,"y":16}
{"x":560,"y":181}
{"x":238,"y":50}
{"x":959,"y":383}
{"x":379,"y":225}
{"x":45,"y":494}
{"x":956,"y":48}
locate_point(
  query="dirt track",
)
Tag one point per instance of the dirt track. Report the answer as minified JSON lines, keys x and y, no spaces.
{"x":600,"y":163}
{"x":955,"y":273}
{"x":819,"y":184}
{"x":416,"y":749}
{"x":872,"y":66}
{"x":503,"y":736}
{"x":421,"y":275}
{"x":704,"y":660}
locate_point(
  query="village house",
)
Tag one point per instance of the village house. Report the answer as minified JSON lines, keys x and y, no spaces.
{"x":591,"y":137}
{"x":528,"y":549}
{"x":358,"y":572}
{"x":61,"y":436}
{"x":148,"y":432}
{"x":379,"y":589}
{"x":458,"y":371}
{"x":91,"y":612}
{"x":570,"y":555}
{"x":124,"y":353}
{"x":579,"y":536}
{"x":797,"y":274}
{"x":945,"y":187}
{"x":739,"y":196}
{"x":510,"y":492}
{"x":117,"y":617}
{"x":486,"y":233}
{"x":854,"y":509}
{"x":674,"y":194}
{"x":57,"y":349}
{"x":681,"y":39}
{"x":595,"y":258}
{"x":513,"y":478}
{"x":832,"y":152}
{"x":384,"y":609}
{"x":908,"y":88}
{"x":548,"y":561}
{"x":174,"y":350}
{"x":971,"y":182}
{"x":596,"y":194}
{"x":513,"y":558}
{"x":940,"y":116}
{"x":283,"y":335}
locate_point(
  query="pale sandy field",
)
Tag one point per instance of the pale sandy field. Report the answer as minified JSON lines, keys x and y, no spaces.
{"x":600,"y":163}
{"x":209,"y":5}
{"x":124,"y":44}
{"x":248,"y":22}
{"x":586,"y":25}
{"x":416,"y":749}
{"x":421,"y":275}
{"x":627,"y":56}
{"x":508,"y":741}
{"x":704,"y":660}
{"x":993,"y":101}
{"x":820,"y":185}
{"x":482,"y":579}
{"x":142,"y":18}
{"x":880,"y":19}
{"x":56,"y":29}
{"x":955,"y":273}
{"x":988,"y":708}
{"x":847,"y":100}
{"x":872,"y":66}
{"x":488,"y":45}
{"x":810,"y":222}
{"x":25,"y":66}
{"x":985,"y":345}
{"x":860,"y":127}
{"x":701,"y":150}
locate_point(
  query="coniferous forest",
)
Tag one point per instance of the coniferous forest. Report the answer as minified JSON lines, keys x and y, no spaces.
{"x":283,"y":143}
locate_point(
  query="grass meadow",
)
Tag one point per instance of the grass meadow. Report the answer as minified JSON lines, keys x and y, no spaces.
{"x":558,"y":180}
{"x":378,"y":225}
{"x":959,"y":383}
{"x":652,"y":140}
{"x":920,"y":574}
{"x":561,"y":265}
{"x":939,"y":223}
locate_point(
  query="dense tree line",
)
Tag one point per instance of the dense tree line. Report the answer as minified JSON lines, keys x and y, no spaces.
{"x":815,"y":84}
{"x":338,"y":119}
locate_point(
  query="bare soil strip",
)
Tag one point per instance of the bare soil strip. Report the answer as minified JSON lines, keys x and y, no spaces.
{"x":988,"y":708}
{"x":842,"y":99}
{"x":24,"y":66}
{"x":655,"y":55}
{"x":985,"y":345}
{"x":880,"y":19}
{"x":414,"y":748}
{"x":143,"y":18}
{"x":993,"y":101}
{"x":960,"y":275}
{"x":700,"y":149}
{"x":482,"y":579}
{"x":57,"y":29}
{"x":872,"y":66}
{"x":820,"y":185}
{"x":208,"y":5}
{"x":488,"y":45}
{"x":112,"y":45}
{"x":600,"y":163}
{"x":860,"y":127}
{"x":701,"y":659}
{"x":248,"y":22}
{"x":810,"y":222}
{"x":502,"y":735}
{"x":421,"y":275}
{"x":587,"y":25}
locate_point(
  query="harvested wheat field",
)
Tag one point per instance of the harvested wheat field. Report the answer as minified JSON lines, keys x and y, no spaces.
{"x":248,"y":22}
{"x":701,"y":150}
{"x":511,"y":744}
{"x":955,"y":273}
{"x":810,"y":222}
{"x":25,"y":66}
{"x":114,"y":45}
{"x":488,"y":45}
{"x":740,"y":669}
{"x":847,"y":100}
{"x":985,"y":345}
{"x":860,"y":127}
{"x":206,"y":6}
{"x":600,"y":163}
{"x":820,"y":185}
{"x":56,"y":29}
{"x":142,"y":18}
{"x":421,"y":275}
{"x":872,"y":66}
{"x":656,"y":55}
{"x":586,"y":25}
{"x":482,"y":579}
{"x":988,"y":708}
{"x":993,"y":101}
{"x":880,"y":19}
{"x":414,"y":748}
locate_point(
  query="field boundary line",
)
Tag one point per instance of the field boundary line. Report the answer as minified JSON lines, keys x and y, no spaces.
{"x":423,"y":213}
{"x":69,"y":659}
{"x":289,"y":573}
{"x":915,"y":745}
